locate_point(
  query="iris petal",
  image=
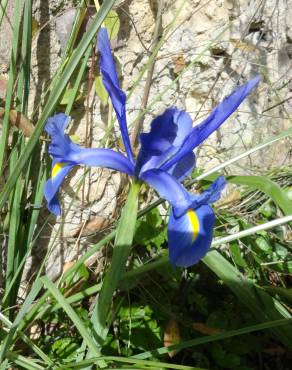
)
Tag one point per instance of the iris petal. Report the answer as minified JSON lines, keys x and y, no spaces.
{"x":208,"y":126}
{"x":99,"y":157}
{"x":59,"y":172}
{"x":190,"y":236}
{"x":162,"y":134}
{"x":63,"y":149}
{"x":60,"y":143}
{"x":211,"y":195}
{"x":183,"y":168}
{"x":90,"y":157}
{"x":168,"y":188}
{"x":66,"y":155}
{"x":111,"y":83}
{"x":167,"y":133}
{"x":57,"y":123}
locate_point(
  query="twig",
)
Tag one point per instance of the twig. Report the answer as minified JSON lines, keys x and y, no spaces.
{"x":277,"y":104}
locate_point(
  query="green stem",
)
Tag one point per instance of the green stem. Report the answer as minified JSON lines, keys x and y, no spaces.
{"x":122,"y":248}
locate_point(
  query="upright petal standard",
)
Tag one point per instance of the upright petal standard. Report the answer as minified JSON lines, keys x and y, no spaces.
{"x":165,"y":159}
{"x":111,"y":83}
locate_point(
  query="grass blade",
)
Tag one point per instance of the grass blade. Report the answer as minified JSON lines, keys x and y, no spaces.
{"x":215,"y":337}
{"x":23,"y":362}
{"x":133,"y":360}
{"x":252,"y":230}
{"x":78,"y":81}
{"x":261,"y":304}
{"x":3,"y":6}
{"x":268,"y":187}
{"x":53,"y":99}
{"x":24,"y":308}
{"x":71,"y":314}
{"x":27,"y":340}
{"x":271,"y":140}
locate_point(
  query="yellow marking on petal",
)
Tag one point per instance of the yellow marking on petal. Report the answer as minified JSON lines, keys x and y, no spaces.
{"x":57,"y":168}
{"x":195,"y":223}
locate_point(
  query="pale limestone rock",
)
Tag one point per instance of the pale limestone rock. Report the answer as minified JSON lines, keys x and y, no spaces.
{"x":6,"y":38}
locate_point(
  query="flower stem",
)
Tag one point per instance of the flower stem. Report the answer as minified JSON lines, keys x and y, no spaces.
{"x":121,"y":251}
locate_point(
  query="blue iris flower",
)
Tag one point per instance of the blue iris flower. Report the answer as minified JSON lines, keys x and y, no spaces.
{"x":165,"y":159}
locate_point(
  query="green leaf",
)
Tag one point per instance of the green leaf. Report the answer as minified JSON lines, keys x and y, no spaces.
{"x":262,"y":305}
{"x":236,"y":255}
{"x":65,"y":348}
{"x":53,"y":99}
{"x":230,"y":361}
{"x":282,"y":292}
{"x":263,"y":244}
{"x":267,"y":186}
{"x":100,"y":90}
{"x":69,"y":95}
{"x":140,"y":363}
{"x":218,"y":352}
{"x":112,"y":23}
{"x":24,"y":362}
{"x":72,"y":314}
{"x":122,"y":248}
{"x":213,"y":338}
{"x":36,"y":287}
{"x":150,"y":230}
{"x":268,"y":210}
{"x":76,"y":86}
{"x":284,"y":267}
{"x":17,"y":12}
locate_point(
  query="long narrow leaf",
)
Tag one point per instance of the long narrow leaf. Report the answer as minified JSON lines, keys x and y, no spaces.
{"x":3,"y":6}
{"x":122,"y":247}
{"x":54,"y":97}
{"x":132,"y":360}
{"x":261,"y":304}
{"x":24,"y":308}
{"x":23,"y":362}
{"x":71,"y":314}
{"x":215,"y":337}
{"x":268,"y":187}
{"x":26,"y":340}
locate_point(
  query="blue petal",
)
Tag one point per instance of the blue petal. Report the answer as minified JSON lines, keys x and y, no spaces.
{"x":63,"y":149}
{"x":168,"y":188}
{"x":211,"y":195}
{"x":102,"y":158}
{"x":60,"y":170}
{"x":60,"y":145}
{"x":57,"y":123}
{"x":166,"y":135}
{"x":163,"y":133}
{"x":182,"y":169}
{"x":213,"y":122}
{"x":111,"y":83}
{"x":181,"y":200}
{"x":190,"y":236}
